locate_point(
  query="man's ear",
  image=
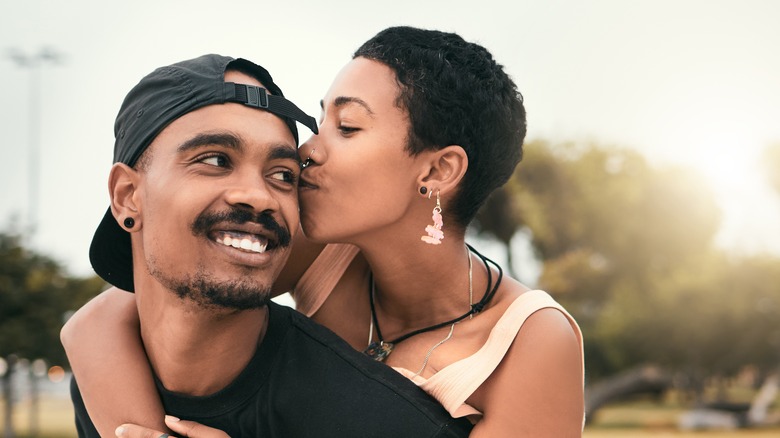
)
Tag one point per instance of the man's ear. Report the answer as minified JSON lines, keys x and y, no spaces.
{"x":444,"y":169}
{"x":123,"y":187}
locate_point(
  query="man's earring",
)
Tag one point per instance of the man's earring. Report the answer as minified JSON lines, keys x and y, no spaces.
{"x":435,"y":234}
{"x":129,"y":222}
{"x":423,"y":190}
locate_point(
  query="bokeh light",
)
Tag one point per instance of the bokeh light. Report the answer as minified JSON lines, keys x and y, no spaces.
{"x":56,"y":374}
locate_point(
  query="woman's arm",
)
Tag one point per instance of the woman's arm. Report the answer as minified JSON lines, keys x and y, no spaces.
{"x":303,"y":254}
{"x":103,"y":344}
{"x":537,"y":390}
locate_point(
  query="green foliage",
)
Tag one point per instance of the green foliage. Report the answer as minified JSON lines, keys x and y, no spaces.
{"x":627,"y":248}
{"x":35,"y":298}
{"x":497,"y":217}
{"x":611,"y":202}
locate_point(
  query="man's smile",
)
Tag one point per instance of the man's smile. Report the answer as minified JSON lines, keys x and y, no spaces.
{"x":243,"y":241}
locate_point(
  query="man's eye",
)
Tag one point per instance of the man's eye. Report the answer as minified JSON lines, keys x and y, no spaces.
{"x":286,"y":176}
{"x":215,"y":160}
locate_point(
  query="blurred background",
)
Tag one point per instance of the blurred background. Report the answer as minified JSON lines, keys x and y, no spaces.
{"x":648,"y":201}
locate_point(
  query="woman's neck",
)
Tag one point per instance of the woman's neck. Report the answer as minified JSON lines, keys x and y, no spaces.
{"x":418,"y":284}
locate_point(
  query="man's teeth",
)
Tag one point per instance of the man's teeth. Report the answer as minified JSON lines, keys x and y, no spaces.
{"x":244,"y":243}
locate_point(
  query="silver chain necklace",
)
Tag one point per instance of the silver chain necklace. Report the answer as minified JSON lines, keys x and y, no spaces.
{"x":383,"y":344}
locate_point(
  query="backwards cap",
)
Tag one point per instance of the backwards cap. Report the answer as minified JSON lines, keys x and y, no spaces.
{"x":157,"y":100}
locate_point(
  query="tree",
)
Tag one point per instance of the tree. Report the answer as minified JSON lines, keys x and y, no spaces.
{"x":499,"y":219}
{"x":628,"y":248}
{"x":35,"y":294}
{"x":708,"y":320}
{"x":607,"y":227}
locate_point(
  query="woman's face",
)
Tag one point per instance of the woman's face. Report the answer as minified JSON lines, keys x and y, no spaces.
{"x":361,"y":179}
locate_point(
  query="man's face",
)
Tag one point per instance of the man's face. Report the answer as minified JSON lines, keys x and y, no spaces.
{"x":218,"y":202}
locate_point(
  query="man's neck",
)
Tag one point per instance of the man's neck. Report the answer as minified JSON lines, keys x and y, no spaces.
{"x":196,"y":350}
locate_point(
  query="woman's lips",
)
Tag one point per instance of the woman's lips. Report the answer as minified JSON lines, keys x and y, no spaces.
{"x":306,"y":184}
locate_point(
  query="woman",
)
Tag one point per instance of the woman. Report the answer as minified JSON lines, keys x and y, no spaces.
{"x":416,"y":131}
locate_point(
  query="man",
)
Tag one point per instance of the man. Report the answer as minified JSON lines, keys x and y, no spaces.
{"x":203,"y":202}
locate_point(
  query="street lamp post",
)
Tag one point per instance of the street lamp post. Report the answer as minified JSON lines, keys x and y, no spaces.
{"x":33,"y":63}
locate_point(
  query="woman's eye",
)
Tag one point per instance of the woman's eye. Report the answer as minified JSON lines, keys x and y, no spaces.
{"x":348,"y":129}
{"x":286,"y":176}
{"x":215,"y":160}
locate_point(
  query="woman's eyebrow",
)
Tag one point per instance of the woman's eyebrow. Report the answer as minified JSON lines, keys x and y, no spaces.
{"x":346,"y":100}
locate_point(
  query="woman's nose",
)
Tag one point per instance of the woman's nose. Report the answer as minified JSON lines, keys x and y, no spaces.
{"x":307,"y":152}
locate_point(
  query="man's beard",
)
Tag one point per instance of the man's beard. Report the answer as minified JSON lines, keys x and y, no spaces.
{"x":207,"y":291}
{"x":204,"y":289}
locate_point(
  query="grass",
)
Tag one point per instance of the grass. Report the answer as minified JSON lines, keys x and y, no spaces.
{"x":55,"y":414}
{"x":667,"y":433}
{"x":638,"y":419}
{"x":646,"y":418}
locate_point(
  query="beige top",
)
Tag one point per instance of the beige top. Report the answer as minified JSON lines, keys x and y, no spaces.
{"x":453,"y":384}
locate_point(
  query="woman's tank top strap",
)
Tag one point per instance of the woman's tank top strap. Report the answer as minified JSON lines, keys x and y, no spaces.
{"x":452,"y":385}
{"x":316,"y":284}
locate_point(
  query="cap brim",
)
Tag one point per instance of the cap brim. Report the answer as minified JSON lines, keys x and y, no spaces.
{"x":111,"y":254}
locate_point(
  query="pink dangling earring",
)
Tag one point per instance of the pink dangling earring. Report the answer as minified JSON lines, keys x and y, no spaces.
{"x":435,"y":234}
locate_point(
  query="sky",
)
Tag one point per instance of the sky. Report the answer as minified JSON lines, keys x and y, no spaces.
{"x":692,"y":83}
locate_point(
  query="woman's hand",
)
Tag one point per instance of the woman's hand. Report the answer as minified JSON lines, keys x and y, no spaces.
{"x":181,"y":427}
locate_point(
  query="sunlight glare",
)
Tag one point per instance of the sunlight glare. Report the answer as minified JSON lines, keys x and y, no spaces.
{"x":726,"y":152}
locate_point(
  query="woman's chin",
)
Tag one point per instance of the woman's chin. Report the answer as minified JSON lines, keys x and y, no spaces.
{"x":312,"y":232}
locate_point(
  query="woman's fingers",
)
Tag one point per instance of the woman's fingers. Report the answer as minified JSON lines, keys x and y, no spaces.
{"x":136,"y":431}
{"x":192,"y":429}
{"x":184,"y":428}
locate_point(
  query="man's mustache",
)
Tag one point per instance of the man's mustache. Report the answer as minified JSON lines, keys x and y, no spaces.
{"x":207,"y":220}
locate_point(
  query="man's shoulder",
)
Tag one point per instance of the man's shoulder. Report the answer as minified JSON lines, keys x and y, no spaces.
{"x":326,"y":365}
{"x":312,"y":337}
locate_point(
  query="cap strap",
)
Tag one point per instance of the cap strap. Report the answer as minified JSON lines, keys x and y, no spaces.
{"x":258,"y":97}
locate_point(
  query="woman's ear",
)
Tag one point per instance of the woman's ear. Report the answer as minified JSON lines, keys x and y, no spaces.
{"x":123,"y":187}
{"x":444,"y":169}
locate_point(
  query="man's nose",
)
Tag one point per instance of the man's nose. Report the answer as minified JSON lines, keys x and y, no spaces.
{"x":249,"y":190}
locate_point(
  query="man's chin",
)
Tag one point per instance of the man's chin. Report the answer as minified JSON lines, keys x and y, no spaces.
{"x":229,"y":295}
{"x":236,"y":303}
{"x":208,"y":292}
{"x":237,"y":291}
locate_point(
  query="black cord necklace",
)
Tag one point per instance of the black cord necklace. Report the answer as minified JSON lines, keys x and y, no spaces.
{"x":380,"y":349}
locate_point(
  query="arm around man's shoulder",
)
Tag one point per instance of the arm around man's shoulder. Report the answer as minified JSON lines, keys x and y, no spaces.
{"x":102,"y":341}
{"x":302,"y":255}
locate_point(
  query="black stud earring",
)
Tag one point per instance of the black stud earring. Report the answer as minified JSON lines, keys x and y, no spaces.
{"x":423,"y":190}
{"x":129,"y":222}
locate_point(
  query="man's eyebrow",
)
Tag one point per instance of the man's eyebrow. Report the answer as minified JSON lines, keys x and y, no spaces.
{"x":224,"y":139}
{"x":345,"y":100}
{"x":283,"y":152}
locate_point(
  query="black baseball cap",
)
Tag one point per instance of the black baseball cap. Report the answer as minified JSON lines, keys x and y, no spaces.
{"x":157,"y":100}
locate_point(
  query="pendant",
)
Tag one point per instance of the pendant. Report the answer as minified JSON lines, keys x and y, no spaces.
{"x":379,"y":350}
